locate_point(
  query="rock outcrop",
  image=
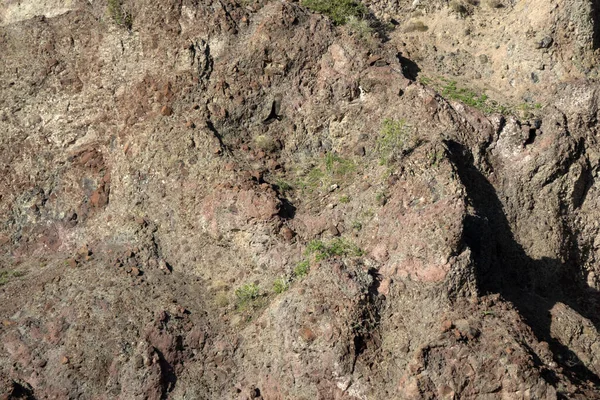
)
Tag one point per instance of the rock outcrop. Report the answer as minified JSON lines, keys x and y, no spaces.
{"x":214,"y":199}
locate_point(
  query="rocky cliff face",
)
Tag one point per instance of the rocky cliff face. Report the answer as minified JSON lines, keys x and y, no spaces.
{"x":237,"y":200}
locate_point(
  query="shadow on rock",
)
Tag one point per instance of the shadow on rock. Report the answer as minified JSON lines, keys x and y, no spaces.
{"x":502,"y":266}
{"x":410,"y":69}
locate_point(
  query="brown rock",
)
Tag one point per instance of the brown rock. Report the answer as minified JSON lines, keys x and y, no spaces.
{"x":99,"y":198}
{"x":64,"y":360}
{"x":166,"y":111}
{"x":287,"y":233}
{"x":256,"y":174}
{"x":71,"y":262}
{"x":373,"y":59}
{"x":447,"y":325}
{"x":135,"y":271}
{"x":307,"y":334}
{"x":84,"y":251}
{"x":333,"y":230}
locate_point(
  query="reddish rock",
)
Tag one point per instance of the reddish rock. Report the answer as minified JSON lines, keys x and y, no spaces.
{"x":307,"y":334}
{"x":447,"y":325}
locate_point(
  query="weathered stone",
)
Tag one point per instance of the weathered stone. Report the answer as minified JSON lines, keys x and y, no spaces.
{"x":166,"y":111}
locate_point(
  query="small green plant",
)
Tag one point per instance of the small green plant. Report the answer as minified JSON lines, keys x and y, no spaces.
{"x":338,"y":10}
{"x":357,"y":225}
{"x":316,"y":247}
{"x":302,"y":269}
{"x":344,"y":199}
{"x":283,"y":187}
{"x":471,"y":98}
{"x":280,"y":285}
{"x":467,"y":96}
{"x":450,"y":90}
{"x":312,"y":181}
{"x":526,"y":108}
{"x":395,"y":138}
{"x":339,"y":166}
{"x":118,"y":14}
{"x":331,"y":169}
{"x":435,"y":157}
{"x":6,"y":276}
{"x":425,"y":80}
{"x":337,"y":247}
{"x":340,"y":247}
{"x":246,"y":294}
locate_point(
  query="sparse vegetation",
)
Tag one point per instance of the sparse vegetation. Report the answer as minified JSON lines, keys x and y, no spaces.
{"x":360,"y":27}
{"x":332,"y":169}
{"x":337,"y":247}
{"x":435,"y":157}
{"x":283,"y":187}
{"x":395,"y":139}
{"x":338,"y":166}
{"x":313,"y":180}
{"x":302,"y":269}
{"x":425,"y":80}
{"x":318,"y":251}
{"x":118,"y":14}
{"x":527,"y":109}
{"x":6,"y":276}
{"x":338,"y":10}
{"x":281,"y":285}
{"x":357,"y":225}
{"x":451,"y":90}
{"x":467,"y":96}
{"x":246,"y":294}
{"x":344,"y":199}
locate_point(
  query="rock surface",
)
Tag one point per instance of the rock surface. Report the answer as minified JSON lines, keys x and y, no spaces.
{"x":215,"y":199}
